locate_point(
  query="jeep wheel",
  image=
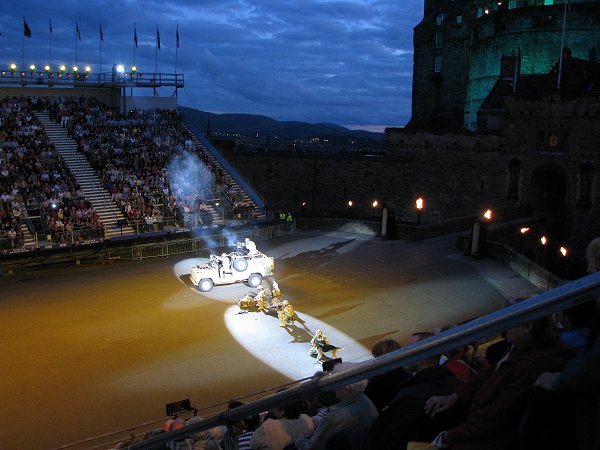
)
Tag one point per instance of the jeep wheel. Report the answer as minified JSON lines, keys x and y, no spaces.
{"x":205,"y":285}
{"x":255,"y":279}
{"x":240,"y":264}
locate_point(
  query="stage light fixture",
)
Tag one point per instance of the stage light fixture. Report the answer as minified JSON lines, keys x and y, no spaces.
{"x":75,"y":68}
{"x":13,"y":67}
{"x":32,"y":67}
{"x":62,"y":68}
{"x":47,"y":67}
{"x":133,"y":68}
{"x":88,"y":69}
{"x":120,"y":68}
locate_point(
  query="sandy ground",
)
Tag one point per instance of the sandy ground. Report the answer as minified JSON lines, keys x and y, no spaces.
{"x":93,"y":349}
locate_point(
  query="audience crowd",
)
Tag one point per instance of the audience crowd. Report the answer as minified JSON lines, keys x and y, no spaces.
{"x":33,"y":173}
{"x":137,"y":157}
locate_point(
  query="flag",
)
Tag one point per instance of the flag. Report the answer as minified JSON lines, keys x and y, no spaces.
{"x":50,"y":26}
{"x":26,"y":29}
{"x":157,"y":38}
{"x":77,"y":30}
{"x":101,"y":34}
{"x":177,"y":36}
{"x":135,"y":36}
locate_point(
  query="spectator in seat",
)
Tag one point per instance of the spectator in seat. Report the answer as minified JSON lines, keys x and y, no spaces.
{"x":239,"y":433}
{"x":381,"y":389}
{"x":496,"y":397}
{"x":288,"y":424}
{"x":348,"y":421}
{"x":581,"y":377}
{"x":404,"y":420}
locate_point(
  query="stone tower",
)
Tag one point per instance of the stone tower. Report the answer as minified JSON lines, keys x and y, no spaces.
{"x":459,"y":46}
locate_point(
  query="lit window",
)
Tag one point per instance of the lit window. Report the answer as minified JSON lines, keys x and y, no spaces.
{"x":548,"y":2}
{"x":459,"y":19}
{"x":512,"y":4}
{"x":438,"y":40}
{"x":441,"y":18}
{"x":479,"y":12}
{"x":438,"y":64}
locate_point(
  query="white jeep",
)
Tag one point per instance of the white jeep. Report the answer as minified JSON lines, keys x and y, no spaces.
{"x":250,"y":268}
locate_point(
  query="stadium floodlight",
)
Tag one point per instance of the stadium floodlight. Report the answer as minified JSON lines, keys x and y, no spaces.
{"x":133,"y":68}
{"x":47,"y":67}
{"x":120,"y":68}
{"x":62,"y":67}
{"x":75,"y":68}
{"x":13,"y":67}
{"x":88,"y":69}
{"x":32,"y":67}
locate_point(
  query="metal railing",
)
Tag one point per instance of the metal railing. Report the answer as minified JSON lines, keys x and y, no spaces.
{"x":558,"y":299}
{"x":81,"y":78}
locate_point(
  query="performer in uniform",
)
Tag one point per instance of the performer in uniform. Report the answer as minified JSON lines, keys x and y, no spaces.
{"x":320,"y":344}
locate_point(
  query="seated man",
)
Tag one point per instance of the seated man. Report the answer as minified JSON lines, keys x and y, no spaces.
{"x":347,"y":423}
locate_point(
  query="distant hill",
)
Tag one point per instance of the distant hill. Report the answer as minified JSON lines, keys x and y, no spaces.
{"x":251,"y":124}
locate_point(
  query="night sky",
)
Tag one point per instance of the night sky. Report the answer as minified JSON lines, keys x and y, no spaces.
{"x":345,"y":62}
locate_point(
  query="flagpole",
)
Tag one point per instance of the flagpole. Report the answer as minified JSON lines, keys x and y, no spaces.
{"x":50,"y":44}
{"x":176,"y":50}
{"x":100,"y":48}
{"x":562,"y":44}
{"x":76,"y":28}
{"x":23,"y":46}
{"x":156,"y":51}
{"x":134,"y":41}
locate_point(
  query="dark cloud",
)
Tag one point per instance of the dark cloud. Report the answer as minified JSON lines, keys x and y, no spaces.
{"x":348,"y":62}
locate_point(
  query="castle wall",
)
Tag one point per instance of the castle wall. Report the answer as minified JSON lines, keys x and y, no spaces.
{"x":534,"y":31}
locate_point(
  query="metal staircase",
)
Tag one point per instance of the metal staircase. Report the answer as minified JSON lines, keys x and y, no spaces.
{"x":87,"y":178}
{"x":255,"y":211}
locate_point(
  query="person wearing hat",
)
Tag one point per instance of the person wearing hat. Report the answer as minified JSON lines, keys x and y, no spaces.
{"x":286,"y":314}
{"x":250,"y":246}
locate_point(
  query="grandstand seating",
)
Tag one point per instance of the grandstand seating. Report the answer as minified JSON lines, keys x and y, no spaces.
{"x":115,"y":168}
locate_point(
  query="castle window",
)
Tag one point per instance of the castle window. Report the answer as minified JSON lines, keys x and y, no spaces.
{"x":548,"y":2}
{"x":514,"y":174}
{"x":479,"y":12}
{"x":512,"y":4}
{"x":586,"y":179}
{"x":459,"y":19}
{"x":438,"y":40}
{"x":438,"y":64}
{"x":440,"y":18}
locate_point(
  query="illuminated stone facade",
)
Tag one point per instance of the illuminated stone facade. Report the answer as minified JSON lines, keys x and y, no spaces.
{"x":459,"y":44}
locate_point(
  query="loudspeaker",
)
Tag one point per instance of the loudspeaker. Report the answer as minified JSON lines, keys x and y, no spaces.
{"x":178,"y":407}
{"x":328,"y":365}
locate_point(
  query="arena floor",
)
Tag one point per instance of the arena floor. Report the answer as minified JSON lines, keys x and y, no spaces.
{"x":92,"y":349}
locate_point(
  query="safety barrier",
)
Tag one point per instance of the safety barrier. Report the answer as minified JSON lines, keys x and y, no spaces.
{"x":222,"y":238}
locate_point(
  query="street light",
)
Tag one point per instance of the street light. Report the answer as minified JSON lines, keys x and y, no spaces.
{"x":524,"y":231}
{"x":543,"y":241}
{"x":374,"y":204}
{"x":419,"y":204}
{"x":487,"y":215}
